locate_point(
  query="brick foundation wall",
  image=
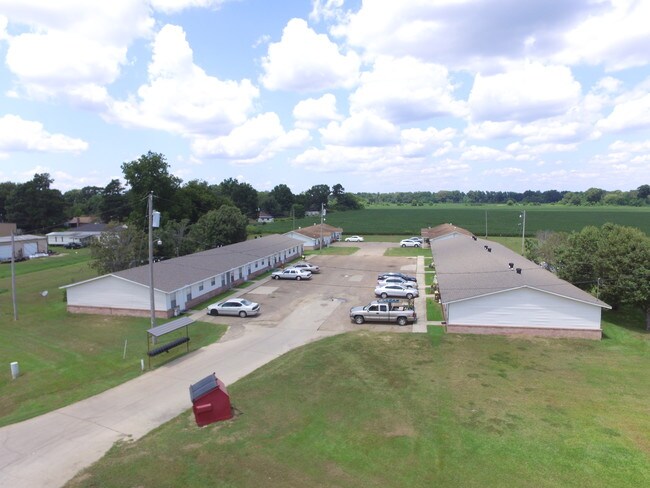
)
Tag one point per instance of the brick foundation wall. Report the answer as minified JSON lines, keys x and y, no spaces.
{"x":124,"y":312}
{"x":525,"y":331}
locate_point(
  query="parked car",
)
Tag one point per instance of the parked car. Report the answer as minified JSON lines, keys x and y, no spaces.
{"x":291,"y":274}
{"x":234,"y":306}
{"x":307,"y":267}
{"x":410,"y":243}
{"x":391,"y":274}
{"x":398,"y":291}
{"x":416,"y":238}
{"x":73,"y":245}
{"x":388,"y":310}
{"x":396,"y":280}
{"x":354,"y":239}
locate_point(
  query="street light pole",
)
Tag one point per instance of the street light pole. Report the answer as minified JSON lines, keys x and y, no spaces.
{"x":322,"y":207}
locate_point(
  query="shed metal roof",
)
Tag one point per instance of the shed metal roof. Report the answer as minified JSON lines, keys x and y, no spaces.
{"x":466,"y":269}
{"x":177,"y":273}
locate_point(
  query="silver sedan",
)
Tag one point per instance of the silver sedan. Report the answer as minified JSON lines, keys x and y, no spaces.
{"x":234,"y":306}
{"x":398,"y":291}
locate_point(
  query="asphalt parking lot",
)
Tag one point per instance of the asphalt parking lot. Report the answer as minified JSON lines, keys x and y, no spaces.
{"x":344,"y":282}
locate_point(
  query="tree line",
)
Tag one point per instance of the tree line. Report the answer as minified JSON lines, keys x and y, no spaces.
{"x":592,"y":196}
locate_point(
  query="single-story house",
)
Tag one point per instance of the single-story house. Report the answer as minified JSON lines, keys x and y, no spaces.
{"x":443,"y":231}
{"x":24,"y":245}
{"x":312,"y":236}
{"x":83,"y":234}
{"x":485,"y":288}
{"x":81,"y":220}
{"x":180,"y":283}
{"x":264,"y":218}
{"x":6,"y":229}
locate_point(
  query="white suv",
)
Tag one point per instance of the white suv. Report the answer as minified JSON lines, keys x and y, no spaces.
{"x":410,"y":243}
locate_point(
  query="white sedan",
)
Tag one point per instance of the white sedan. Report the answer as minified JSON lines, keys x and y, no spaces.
{"x":354,"y":239}
{"x":234,"y":306}
{"x":398,"y":291}
{"x":291,"y":274}
{"x":410,"y":243}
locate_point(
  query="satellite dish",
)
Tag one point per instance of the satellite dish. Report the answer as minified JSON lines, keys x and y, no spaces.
{"x":44,"y":293}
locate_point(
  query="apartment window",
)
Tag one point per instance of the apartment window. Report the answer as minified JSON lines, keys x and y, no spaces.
{"x":201,"y":287}
{"x":213,"y":282}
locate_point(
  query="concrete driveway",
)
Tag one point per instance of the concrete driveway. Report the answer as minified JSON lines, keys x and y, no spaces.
{"x":47,"y":451}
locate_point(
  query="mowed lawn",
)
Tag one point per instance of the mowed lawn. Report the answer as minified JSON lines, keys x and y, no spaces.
{"x":66,"y":357}
{"x":405,"y":410}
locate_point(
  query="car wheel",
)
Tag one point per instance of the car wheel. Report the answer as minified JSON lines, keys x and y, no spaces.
{"x":401,"y":320}
{"x":409,"y":296}
{"x":358,"y":319}
{"x":242,"y":314}
{"x":384,"y":295}
{"x":213,"y":311}
{"x":417,"y":245}
{"x":276,"y":277}
{"x":403,"y":245}
{"x":297,"y":278}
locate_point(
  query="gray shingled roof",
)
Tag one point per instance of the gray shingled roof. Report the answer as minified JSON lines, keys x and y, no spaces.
{"x":177,"y":273}
{"x":465,"y":269}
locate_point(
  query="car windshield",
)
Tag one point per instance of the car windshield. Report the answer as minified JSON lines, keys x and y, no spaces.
{"x":246,"y":302}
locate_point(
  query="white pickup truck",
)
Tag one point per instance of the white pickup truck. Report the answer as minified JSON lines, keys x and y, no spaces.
{"x":390,"y":310}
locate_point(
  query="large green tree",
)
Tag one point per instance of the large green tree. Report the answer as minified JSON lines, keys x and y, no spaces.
{"x":115,"y":206}
{"x":34,"y":206}
{"x":284,"y":197}
{"x":119,"y":248}
{"x":196,"y":198}
{"x":243,"y":195}
{"x":226,"y":225}
{"x":150,"y":173}
{"x":316,"y":196}
{"x":5,"y":190}
{"x":612,"y":261}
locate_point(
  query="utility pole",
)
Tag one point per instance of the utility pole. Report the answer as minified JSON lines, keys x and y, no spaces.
{"x":13,"y":275}
{"x":486,"y":224}
{"x":152,"y":302}
{"x":321,"y":226}
{"x":523,"y":231}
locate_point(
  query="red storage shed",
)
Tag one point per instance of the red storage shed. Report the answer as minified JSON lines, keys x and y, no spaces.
{"x":210,"y":401}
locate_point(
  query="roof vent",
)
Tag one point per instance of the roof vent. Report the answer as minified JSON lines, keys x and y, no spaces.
{"x":511,"y":265}
{"x":489,"y":249}
{"x":474,"y":237}
{"x":485,"y":247}
{"x":518,"y":270}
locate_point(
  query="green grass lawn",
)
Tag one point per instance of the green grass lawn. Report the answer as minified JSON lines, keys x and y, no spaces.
{"x":65,"y":357}
{"x":434,"y":312}
{"x":406,"y":410}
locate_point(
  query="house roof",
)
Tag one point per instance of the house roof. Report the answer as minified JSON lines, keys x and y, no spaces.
{"x":442,"y":230}
{"x":314,"y":231}
{"x":177,"y":273}
{"x":21,"y":238}
{"x":465,"y":269}
{"x":82,"y":219}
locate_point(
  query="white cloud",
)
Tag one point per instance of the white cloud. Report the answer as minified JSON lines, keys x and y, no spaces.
{"x":306,"y":61}
{"x":483,"y":153}
{"x":405,"y":90}
{"x":59,"y":54}
{"x":172,"y":6}
{"x":312,"y":112}
{"x":361,"y":129}
{"x":629,"y":114}
{"x":510,"y":171}
{"x":419,"y":143}
{"x":326,"y":10}
{"x":180,"y":97}
{"x":17,"y":134}
{"x":258,"y":139}
{"x":615,"y":35}
{"x":463,"y":34}
{"x":526,"y":92}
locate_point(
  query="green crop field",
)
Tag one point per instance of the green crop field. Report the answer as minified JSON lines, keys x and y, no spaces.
{"x":501,"y":220}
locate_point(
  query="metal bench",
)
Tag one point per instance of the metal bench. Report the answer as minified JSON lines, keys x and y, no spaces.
{"x":155,"y":332}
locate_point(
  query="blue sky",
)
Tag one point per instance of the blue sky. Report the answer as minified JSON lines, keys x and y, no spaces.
{"x":376,"y":95}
